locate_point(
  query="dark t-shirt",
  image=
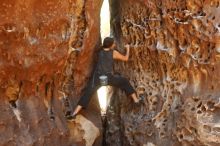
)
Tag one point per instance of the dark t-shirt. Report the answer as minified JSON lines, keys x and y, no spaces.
{"x":105,"y":62}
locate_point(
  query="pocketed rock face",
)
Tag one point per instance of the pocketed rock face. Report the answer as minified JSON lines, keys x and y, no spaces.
{"x":37,"y":59}
{"x":175,"y":57}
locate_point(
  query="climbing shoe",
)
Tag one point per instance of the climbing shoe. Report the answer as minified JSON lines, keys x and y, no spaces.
{"x":68,"y":113}
{"x":140,"y":101}
{"x":71,"y":117}
{"x":141,"y":97}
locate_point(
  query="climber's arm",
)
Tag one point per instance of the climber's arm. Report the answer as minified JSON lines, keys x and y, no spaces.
{"x":119,"y":56}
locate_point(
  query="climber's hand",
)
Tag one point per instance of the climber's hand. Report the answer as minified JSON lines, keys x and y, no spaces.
{"x":127,"y":48}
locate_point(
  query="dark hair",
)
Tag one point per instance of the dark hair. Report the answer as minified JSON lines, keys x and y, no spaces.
{"x":108,"y":42}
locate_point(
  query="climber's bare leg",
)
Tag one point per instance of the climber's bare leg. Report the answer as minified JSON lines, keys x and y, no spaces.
{"x":77,"y":109}
{"x":134,"y":97}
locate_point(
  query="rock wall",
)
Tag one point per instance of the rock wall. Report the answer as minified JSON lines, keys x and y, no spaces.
{"x":46,"y":53}
{"x":175,"y":49}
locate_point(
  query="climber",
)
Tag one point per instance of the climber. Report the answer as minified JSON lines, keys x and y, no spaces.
{"x":104,"y":69}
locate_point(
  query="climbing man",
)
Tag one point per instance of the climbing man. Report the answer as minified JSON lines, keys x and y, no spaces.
{"x":104,"y":68}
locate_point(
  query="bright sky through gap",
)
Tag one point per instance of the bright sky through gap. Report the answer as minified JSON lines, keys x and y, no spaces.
{"x":102,"y":97}
{"x":105,"y":31}
{"x":105,"y":19}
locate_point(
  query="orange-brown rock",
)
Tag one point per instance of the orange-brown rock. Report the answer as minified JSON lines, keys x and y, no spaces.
{"x":38,"y":40}
{"x":47,"y":52}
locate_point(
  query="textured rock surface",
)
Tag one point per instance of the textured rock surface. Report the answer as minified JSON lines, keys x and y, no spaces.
{"x":37,"y":39}
{"x":175,"y":57}
{"x":86,"y":128}
{"x":175,"y":51}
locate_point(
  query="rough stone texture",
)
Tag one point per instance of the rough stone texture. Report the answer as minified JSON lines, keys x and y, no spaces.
{"x":86,"y":128}
{"x":175,"y":51}
{"x":175,"y":57}
{"x":37,"y":59}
